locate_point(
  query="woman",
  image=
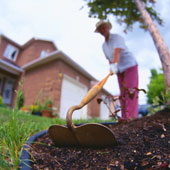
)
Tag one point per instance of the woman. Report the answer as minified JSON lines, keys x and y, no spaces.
{"x":122,"y":63}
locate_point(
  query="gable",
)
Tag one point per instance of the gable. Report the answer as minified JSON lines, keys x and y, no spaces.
{"x":34,"y":51}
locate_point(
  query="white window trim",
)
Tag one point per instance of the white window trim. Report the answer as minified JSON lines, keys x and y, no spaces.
{"x":44,"y":53}
{"x":11,"y":49}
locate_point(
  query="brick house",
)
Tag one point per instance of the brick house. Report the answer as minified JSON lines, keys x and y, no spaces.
{"x":43,"y":67}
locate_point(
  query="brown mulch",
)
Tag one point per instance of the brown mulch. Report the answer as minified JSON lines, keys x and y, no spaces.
{"x":142,"y":144}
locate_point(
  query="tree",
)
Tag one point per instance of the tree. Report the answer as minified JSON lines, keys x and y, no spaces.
{"x":129,"y":12}
{"x":156,"y":86}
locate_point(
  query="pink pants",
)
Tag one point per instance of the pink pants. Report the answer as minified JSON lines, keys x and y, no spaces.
{"x":128,"y":81}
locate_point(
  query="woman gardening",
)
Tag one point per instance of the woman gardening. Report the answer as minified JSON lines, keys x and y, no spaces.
{"x":124,"y":65}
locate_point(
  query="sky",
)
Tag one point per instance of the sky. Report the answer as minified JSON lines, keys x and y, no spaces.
{"x":66,"y":24}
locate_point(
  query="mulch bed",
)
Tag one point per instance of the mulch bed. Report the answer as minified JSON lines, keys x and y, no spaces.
{"x":142,"y":144}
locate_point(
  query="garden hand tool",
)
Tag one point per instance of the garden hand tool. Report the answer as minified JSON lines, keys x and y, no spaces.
{"x":85,"y":135}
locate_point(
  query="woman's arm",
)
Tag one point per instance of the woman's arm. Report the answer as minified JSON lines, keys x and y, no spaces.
{"x":116,"y":55}
{"x":113,"y":63}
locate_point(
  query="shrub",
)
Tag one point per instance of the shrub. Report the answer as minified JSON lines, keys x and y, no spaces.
{"x":156,"y":86}
{"x":13,"y":135}
{"x":48,"y":104}
{"x":160,"y":102}
{"x":20,"y":96}
{"x":2,"y":104}
{"x":1,"y":100}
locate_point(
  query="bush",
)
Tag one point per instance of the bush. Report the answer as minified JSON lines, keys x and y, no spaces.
{"x":48,"y":104}
{"x":156,"y":86}
{"x":2,"y":104}
{"x":160,"y":102}
{"x":20,"y":96}
{"x":1,"y":100}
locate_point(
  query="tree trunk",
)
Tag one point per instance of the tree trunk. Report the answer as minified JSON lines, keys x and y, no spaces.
{"x":158,"y":40}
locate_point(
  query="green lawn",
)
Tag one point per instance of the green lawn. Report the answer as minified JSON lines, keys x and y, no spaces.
{"x":4,"y":115}
{"x":15,"y":129}
{"x":41,"y":123}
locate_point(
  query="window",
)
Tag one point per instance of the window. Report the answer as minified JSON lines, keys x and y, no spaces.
{"x":7,"y":92}
{"x":11,"y":52}
{"x":43,"y":54}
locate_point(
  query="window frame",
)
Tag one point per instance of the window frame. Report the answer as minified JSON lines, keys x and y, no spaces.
{"x":43,"y":53}
{"x":8,"y":100}
{"x":9,"y":50}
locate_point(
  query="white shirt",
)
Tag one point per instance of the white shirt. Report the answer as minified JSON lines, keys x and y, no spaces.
{"x":126,"y":59}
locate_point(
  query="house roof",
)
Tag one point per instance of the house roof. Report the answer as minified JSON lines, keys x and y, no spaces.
{"x":55,"y":56}
{"x":27,"y":43}
{"x":9,"y":67}
{"x":36,"y":39}
{"x":11,"y":41}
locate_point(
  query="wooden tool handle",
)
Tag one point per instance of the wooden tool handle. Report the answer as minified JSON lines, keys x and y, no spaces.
{"x":92,"y":93}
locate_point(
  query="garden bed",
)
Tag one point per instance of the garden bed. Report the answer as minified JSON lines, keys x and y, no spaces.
{"x":142,"y":144}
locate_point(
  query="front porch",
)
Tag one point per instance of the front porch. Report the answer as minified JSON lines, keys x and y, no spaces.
{"x":9,"y":77}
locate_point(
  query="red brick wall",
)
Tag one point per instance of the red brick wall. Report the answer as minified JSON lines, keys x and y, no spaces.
{"x":49,"y":77}
{"x":43,"y":78}
{"x":3,"y":45}
{"x":33,"y":51}
{"x":72,"y":72}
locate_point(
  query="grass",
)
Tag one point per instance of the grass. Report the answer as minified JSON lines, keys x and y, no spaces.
{"x":15,"y":129}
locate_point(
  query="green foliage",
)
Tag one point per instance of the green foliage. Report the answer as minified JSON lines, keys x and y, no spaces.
{"x":37,"y":98}
{"x":156,"y":86}
{"x":34,"y":108}
{"x":13,"y":135}
{"x":48,"y":104}
{"x":159,"y":103}
{"x":15,"y":129}
{"x":2,"y":104}
{"x":125,"y":11}
{"x":1,"y":100}
{"x":154,"y":73}
{"x":48,"y":101}
{"x":20,"y":96}
{"x":3,"y":163}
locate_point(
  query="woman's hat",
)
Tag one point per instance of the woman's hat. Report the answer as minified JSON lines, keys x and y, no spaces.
{"x":102,"y":22}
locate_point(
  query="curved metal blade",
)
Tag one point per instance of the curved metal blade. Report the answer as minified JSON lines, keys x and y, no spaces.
{"x":86,"y":135}
{"x":62,"y":136}
{"x":94,"y":135}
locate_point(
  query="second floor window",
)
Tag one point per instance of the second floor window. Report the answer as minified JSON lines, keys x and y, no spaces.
{"x":11,"y":52}
{"x":43,"y":54}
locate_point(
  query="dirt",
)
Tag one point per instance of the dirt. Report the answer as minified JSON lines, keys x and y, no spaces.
{"x":142,"y":144}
